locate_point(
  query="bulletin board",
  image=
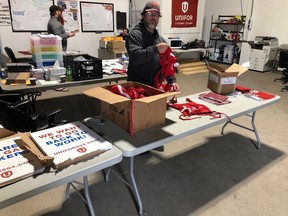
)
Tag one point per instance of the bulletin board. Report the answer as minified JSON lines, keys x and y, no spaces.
{"x":97,"y":17}
{"x":29,"y":15}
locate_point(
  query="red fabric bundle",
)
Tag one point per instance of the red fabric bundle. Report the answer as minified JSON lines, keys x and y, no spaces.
{"x":255,"y":93}
{"x":191,"y":108}
{"x":168,"y":64}
{"x":130,"y":92}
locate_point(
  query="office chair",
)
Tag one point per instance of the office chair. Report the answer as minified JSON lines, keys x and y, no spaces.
{"x":283,"y":63}
{"x":14,"y":119}
{"x":11,"y":97}
{"x":13,"y":58}
{"x":278,"y":61}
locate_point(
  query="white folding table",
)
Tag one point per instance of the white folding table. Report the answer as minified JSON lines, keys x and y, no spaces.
{"x":32,"y":186}
{"x":175,"y":128}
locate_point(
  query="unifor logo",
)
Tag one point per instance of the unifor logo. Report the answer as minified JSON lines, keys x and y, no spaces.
{"x":81,"y":150}
{"x":185,"y":6}
{"x":6,"y":174}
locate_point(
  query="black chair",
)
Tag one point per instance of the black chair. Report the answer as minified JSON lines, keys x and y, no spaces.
{"x":11,"y":97}
{"x":283,"y":63}
{"x":15,"y":119}
{"x":13,"y":58}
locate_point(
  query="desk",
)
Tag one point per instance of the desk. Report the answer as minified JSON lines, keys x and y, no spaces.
{"x":33,"y":91}
{"x":40,"y":88}
{"x":28,"y":54}
{"x":175,"y":128}
{"x":29,"y":187}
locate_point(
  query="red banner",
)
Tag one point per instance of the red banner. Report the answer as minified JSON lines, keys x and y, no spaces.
{"x":184,"y":13}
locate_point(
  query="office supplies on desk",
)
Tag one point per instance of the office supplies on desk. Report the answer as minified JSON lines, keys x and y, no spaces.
{"x":18,"y":67}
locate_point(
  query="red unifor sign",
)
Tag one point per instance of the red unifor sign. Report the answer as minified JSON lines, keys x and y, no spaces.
{"x":184,"y":13}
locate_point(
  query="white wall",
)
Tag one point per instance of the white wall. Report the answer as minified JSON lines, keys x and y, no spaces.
{"x":268,"y":19}
{"x":88,"y":42}
{"x":164,"y":26}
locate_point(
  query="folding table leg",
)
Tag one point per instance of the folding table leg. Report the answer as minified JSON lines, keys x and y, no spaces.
{"x":132,"y":186}
{"x":86,"y":199}
{"x":253,"y":129}
{"x":140,"y":210}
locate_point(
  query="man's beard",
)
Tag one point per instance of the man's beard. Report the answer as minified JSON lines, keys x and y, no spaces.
{"x":150,"y":25}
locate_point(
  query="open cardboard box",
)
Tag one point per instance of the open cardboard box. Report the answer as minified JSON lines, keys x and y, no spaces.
{"x":145,"y":112}
{"x":224,"y":81}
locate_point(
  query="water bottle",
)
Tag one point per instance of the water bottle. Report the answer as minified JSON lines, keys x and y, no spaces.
{"x":123,"y":57}
{"x":69,"y":74}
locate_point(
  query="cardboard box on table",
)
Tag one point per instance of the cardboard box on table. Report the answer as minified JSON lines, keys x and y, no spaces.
{"x":18,"y":77}
{"x":103,"y":41}
{"x":116,"y":46}
{"x":224,"y":81}
{"x":145,"y":112}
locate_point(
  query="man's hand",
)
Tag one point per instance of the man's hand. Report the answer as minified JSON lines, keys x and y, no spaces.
{"x":162,"y":47}
{"x":175,"y":87}
{"x":71,"y":34}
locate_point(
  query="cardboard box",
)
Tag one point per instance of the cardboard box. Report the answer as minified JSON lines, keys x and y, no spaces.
{"x":112,"y":38}
{"x":102,"y":44}
{"x":146,"y":112}
{"x":224,"y":81}
{"x":17,"y":77}
{"x":53,"y":74}
{"x":103,"y":41}
{"x":116,"y":46}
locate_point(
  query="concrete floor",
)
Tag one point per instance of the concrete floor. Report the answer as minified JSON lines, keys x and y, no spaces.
{"x":205,"y":174}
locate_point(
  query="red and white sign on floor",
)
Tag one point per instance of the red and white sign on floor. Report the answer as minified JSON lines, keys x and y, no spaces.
{"x":184,"y":13}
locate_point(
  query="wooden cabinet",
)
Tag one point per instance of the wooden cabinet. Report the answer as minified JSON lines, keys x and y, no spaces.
{"x":225,"y":33}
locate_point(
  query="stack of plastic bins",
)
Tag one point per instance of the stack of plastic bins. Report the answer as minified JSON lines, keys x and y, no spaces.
{"x":46,"y":49}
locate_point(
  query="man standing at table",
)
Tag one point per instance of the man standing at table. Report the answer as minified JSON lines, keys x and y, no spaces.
{"x":55,"y":26}
{"x":144,"y":44}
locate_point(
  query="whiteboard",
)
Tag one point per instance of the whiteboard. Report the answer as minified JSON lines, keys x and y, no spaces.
{"x":29,"y":15}
{"x":97,"y":17}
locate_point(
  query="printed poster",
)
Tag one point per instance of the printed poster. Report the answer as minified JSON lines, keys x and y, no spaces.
{"x":16,"y":161}
{"x":70,"y":14}
{"x":4,"y":13}
{"x":184,"y":13}
{"x":69,"y":141}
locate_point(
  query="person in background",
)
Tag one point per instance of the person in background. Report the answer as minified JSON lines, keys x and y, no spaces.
{"x":124,"y":33}
{"x":144,"y":44}
{"x":55,"y":26}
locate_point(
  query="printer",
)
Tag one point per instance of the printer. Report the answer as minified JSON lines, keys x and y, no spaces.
{"x":266,"y":41}
{"x":260,"y":53}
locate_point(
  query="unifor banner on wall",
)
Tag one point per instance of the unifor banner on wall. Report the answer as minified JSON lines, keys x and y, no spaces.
{"x":184,"y":13}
